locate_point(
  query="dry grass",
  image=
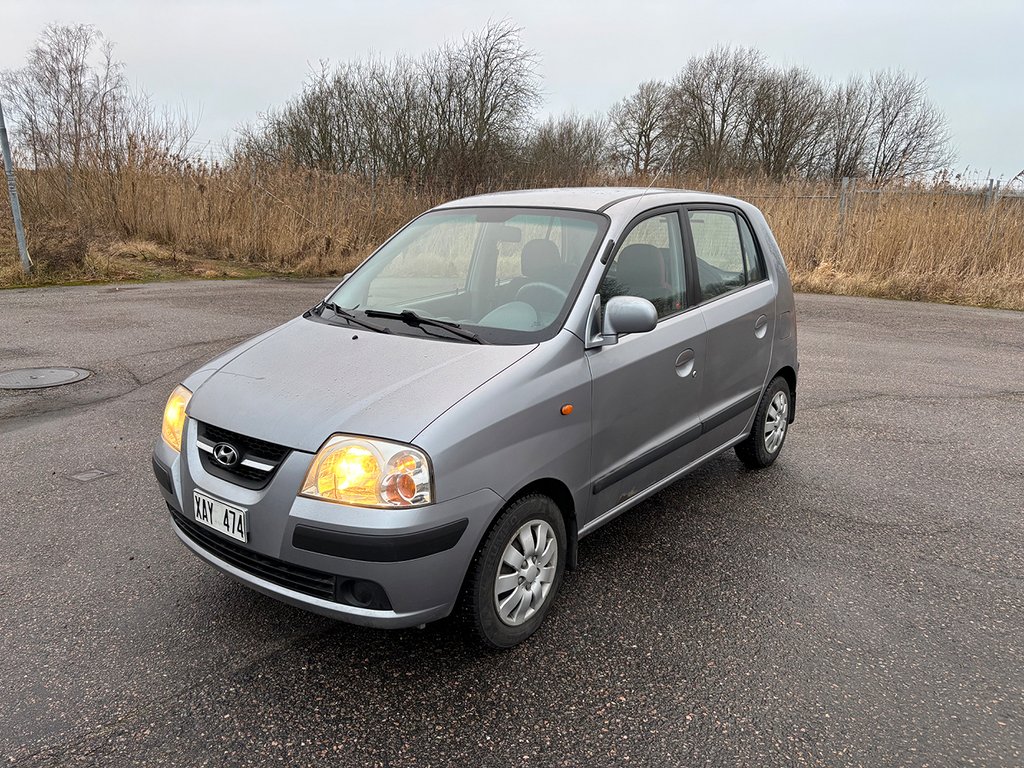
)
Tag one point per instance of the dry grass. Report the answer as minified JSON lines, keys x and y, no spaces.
{"x":905,"y":244}
{"x":119,"y":261}
{"x":210,"y":222}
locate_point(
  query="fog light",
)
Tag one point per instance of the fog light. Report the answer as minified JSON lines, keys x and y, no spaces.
{"x":360,"y":593}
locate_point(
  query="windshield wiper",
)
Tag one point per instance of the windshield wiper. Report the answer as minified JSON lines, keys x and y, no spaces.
{"x":342,"y":312}
{"x":412,"y":318}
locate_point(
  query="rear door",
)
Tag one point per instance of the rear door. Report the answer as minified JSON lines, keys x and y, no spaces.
{"x":647,"y":387}
{"x":737,"y":302}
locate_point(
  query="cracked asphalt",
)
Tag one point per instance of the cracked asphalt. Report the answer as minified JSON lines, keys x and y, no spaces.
{"x":859,"y":603}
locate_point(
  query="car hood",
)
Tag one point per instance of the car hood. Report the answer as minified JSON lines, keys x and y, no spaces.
{"x":309,"y":379}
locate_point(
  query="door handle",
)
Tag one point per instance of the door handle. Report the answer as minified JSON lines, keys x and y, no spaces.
{"x":685,"y":362}
{"x":761,"y":326}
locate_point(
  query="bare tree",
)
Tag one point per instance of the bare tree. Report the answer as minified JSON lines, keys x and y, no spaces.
{"x":708,"y":107}
{"x":72,"y":108}
{"x":783,"y":121}
{"x":55,"y":98}
{"x":462,"y":116}
{"x":397,"y":117}
{"x":483,"y":93}
{"x":637,"y":125}
{"x":846,"y":127}
{"x":570,"y":149}
{"x":461,"y":112}
{"x":909,"y":133}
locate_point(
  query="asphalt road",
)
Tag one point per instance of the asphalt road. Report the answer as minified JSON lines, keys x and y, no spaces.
{"x":859,"y":603}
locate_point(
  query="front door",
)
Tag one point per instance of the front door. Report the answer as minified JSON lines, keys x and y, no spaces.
{"x":647,"y":387}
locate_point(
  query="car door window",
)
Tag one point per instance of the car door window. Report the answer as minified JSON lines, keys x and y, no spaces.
{"x":719,"y":252}
{"x":649,"y":264}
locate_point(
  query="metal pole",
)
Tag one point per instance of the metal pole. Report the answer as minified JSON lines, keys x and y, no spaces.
{"x":19,"y":229}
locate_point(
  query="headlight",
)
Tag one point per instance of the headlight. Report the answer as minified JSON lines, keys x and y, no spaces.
{"x":369,"y":473}
{"x":174,"y":417}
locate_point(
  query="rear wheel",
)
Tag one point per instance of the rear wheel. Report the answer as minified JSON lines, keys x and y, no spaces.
{"x":516,"y":573}
{"x":771,"y":423}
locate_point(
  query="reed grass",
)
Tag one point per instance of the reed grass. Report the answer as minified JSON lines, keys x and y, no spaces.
{"x":901,"y":242}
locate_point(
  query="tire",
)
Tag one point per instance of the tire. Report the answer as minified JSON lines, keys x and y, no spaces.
{"x":771,"y":425}
{"x":483,"y":598}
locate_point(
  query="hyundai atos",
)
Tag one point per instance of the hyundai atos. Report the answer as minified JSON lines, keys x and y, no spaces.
{"x":503,"y":376}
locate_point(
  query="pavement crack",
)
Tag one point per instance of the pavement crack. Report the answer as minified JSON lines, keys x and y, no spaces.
{"x":123,"y":366}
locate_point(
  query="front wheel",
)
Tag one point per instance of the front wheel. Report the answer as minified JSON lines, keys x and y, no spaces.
{"x":771,"y":422}
{"x":517,"y":571}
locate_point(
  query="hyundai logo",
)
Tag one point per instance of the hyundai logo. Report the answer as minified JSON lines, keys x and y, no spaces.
{"x":225,"y":454}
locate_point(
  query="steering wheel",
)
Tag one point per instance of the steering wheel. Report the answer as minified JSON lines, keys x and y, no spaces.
{"x":543,"y":297}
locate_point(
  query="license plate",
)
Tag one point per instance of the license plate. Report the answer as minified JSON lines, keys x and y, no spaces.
{"x":229,"y":520}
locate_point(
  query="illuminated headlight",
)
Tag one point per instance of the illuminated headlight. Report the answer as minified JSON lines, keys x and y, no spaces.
{"x":174,"y":417}
{"x":369,"y":473}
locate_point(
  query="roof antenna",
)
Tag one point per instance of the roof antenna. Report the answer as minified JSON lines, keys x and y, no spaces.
{"x":657,"y":175}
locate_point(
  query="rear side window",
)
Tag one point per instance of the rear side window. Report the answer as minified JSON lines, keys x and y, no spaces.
{"x":726,"y":254}
{"x":649,"y":264}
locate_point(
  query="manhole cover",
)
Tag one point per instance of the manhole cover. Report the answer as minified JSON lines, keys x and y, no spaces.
{"x":40,"y":378}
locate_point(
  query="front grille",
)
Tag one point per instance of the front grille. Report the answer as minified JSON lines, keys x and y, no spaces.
{"x":250,"y":449}
{"x":296,"y":577}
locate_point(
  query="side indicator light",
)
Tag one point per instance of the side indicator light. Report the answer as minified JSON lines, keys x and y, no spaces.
{"x":566,"y":409}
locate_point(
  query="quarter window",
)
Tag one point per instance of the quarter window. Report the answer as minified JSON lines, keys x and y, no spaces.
{"x":755,"y":271}
{"x":649,"y":264}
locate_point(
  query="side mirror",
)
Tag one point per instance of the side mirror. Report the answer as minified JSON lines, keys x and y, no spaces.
{"x":623,"y":314}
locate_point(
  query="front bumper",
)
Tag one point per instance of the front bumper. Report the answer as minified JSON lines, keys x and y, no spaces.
{"x":298,"y":547}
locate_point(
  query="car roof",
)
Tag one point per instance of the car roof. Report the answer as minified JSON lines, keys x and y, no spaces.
{"x":587,"y":198}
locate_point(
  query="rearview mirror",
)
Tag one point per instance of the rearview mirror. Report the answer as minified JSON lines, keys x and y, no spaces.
{"x":503,"y":233}
{"x":622,"y":314}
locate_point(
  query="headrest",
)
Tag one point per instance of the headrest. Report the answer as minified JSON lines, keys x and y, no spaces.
{"x":641,"y":264}
{"x":540,"y":260}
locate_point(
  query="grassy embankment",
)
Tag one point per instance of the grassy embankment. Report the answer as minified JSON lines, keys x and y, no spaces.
{"x":145,"y":225}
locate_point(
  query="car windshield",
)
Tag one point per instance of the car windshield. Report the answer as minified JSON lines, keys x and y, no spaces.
{"x":506,"y":274}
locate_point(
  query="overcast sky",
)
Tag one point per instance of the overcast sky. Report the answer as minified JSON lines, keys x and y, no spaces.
{"x":228,"y":60}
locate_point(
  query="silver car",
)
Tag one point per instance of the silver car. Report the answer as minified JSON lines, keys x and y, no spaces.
{"x":503,"y":376}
